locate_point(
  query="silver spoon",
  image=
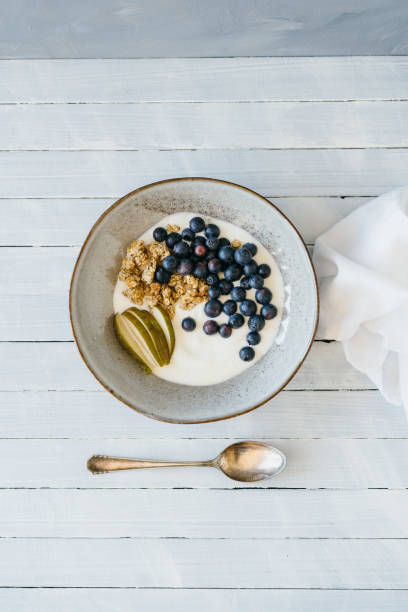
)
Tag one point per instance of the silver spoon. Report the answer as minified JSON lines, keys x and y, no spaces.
{"x":245,"y":461}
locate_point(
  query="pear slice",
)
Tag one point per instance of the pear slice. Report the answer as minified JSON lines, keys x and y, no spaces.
{"x":155,"y":331}
{"x":163,"y":318}
{"x":136,"y":341}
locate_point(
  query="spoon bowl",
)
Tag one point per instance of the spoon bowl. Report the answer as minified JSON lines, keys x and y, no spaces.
{"x":250,"y":461}
{"x":243,"y":461}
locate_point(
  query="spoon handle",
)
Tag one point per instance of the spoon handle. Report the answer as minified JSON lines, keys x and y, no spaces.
{"x":100,"y":464}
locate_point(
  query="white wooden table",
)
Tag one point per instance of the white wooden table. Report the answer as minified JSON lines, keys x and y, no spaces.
{"x":316,"y":135}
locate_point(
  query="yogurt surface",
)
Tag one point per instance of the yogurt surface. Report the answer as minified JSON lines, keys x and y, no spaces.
{"x":199,"y":359}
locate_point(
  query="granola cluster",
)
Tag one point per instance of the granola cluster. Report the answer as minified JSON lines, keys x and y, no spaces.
{"x":138,"y":269}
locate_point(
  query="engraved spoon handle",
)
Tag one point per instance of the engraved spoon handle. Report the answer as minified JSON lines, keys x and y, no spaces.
{"x":99,"y":464}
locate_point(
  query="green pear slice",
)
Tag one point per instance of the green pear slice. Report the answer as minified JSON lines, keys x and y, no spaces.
{"x":136,"y":341}
{"x":154,"y":330}
{"x":163,"y":318}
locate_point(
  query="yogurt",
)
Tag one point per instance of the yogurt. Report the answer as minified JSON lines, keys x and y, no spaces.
{"x":199,"y":359}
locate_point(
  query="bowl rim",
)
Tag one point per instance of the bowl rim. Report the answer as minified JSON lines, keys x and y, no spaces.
{"x":176,"y":180}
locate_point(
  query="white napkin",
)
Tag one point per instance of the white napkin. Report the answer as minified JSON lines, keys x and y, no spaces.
{"x":362,"y":268}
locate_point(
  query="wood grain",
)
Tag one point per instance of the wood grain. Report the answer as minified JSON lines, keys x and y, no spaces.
{"x":201,"y":600}
{"x":204,"y":563}
{"x":239,"y":514}
{"x":277,"y":125}
{"x":239,"y":79}
{"x":57,"y":366}
{"x":66,"y":222}
{"x":119,"y":28}
{"x":272,"y":173}
{"x":291,"y":414}
{"x":331,"y":463}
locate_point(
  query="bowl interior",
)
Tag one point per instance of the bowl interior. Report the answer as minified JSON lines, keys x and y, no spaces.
{"x":95,"y":277}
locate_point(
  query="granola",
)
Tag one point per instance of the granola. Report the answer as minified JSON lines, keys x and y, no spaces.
{"x":138,"y":270}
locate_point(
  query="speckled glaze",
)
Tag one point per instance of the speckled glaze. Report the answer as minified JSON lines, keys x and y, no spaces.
{"x":94,"y":278}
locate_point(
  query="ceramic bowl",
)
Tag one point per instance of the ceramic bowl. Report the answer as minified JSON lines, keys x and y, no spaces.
{"x":95,"y":275}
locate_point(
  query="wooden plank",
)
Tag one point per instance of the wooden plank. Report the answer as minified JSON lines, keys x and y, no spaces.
{"x":222,"y":125}
{"x":54,"y":222}
{"x":57,"y":366}
{"x":272,"y":173}
{"x":204,"y":79}
{"x":238,"y":514}
{"x":35,"y":285}
{"x":190,"y":563}
{"x":294,"y":414}
{"x":124,"y":30}
{"x":65,"y":222}
{"x":201,"y":600}
{"x":331,"y":463}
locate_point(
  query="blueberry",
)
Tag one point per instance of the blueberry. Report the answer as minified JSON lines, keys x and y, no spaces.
{"x":244,"y":282}
{"x":226,"y":253}
{"x":188,"y":324}
{"x":253,"y":338}
{"x":269,"y":311}
{"x":230,"y":307}
{"x":160,"y":234}
{"x":256,"y":323}
{"x":200,"y":250}
{"x":214,"y":292}
{"x":242,"y":256}
{"x":197,"y":224}
{"x":212,"y":244}
{"x":256,"y":281}
{"x":200,"y":270}
{"x":236,"y":320}
{"x":264,"y":270}
{"x":233,"y":272}
{"x":225,"y":330}
{"x":223,"y":242}
{"x":169,"y":263}
{"x":185,"y":266}
{"x":162,"y":276}
{"x":210,"y":328}
{"x":181,"y":249}
{"x":187,"y":234}
{"x":211,"y":255}
{"x":172,"y":238}
{"x":263,"y":296}
{"x":214,"y":265}
{"x":238,"y":294}
{"x":212,"y":279}
{"x":213,"y":308}
{"x":198,"y":240}
{"x":247,"y":353}
{"x":225,"y":286}
{"x":252,"y":248}
{"x":212,"y":231}
{"x":248,"y":308}
{"x":250,"y":268}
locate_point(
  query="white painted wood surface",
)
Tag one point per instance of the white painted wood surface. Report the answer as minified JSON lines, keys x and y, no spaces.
{"x":221,"y":125}
{"x":284,"y":172}
{"x":318,"y":136}
{"x":238,"y":79}
{"x":312,"y":463}
{"x":205,"y":563}
{"x":66,"y":222}
{"x":202,"y":600}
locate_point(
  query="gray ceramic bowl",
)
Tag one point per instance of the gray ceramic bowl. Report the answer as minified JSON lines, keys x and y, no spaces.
{"x":95,"y":275}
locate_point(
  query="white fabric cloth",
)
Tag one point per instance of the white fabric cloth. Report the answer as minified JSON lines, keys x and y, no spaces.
{"x":362,"y":268}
